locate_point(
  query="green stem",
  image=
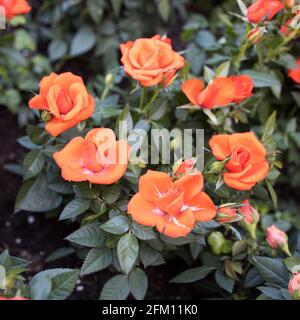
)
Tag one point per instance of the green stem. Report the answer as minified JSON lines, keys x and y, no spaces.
{"x":142,"y":98}
{"x":149,"y":104}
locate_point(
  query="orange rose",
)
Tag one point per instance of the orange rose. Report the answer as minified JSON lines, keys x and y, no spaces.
{"x":246,"y":156}
{"x":14,"y":7}
{"x":97,"y":158}
{"x":173,"y":207}
{"x":295,"y":73}
{"x":66,"y":99}
{"x":264,"y":9}
{"x":220,"y":92}
{"x":151,"y":61}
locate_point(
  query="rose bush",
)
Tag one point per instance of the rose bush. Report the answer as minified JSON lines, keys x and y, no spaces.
{"x":225,"y":221}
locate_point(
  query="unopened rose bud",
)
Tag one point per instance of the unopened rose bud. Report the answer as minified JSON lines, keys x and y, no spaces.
{"x":184,"y":167}
{"x":216,"y":241}
{"x":276,"y":238}
{"x":255,"y":35}
{"x":46,"y":116}
{"x":294,"y":286}
{"x":250,"y":214}
{"x":219,"y":244}
{"x":109,"y":78}
{"x":216,"y":167}
{"x":250,"y":218}
{"x":227,"y":215}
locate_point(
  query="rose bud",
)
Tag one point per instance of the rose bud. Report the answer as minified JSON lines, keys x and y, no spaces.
{"x":250,"y":218}
{"x":289,"y":3}
{"x":219,"y":244}
{"x":255,"y":35}
{"x":276,"y":238}
{"x":294,"y":286}
{"x":184,"y":167}
{"x":227,"y":215}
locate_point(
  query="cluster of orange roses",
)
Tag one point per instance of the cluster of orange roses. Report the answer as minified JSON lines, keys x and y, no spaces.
{"x":172,"y":204}
{"x":262,"y":10}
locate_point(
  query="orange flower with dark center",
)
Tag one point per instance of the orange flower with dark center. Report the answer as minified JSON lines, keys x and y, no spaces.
{"x":66,"y":99}
{"x":151,"y":61}
{"x":173,"y":207}
{"x":246,"y":165}
{"x":14,"y":8}
{"x":261,"y":9}
{"x":295,"y":73}
{"x":97,"y":158}
{"x":220,"y":92}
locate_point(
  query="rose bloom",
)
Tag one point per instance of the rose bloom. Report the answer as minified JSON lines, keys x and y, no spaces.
{"x":250,"y":214}
{"x":295,"y":73}
{"x":151,"y":61}
{"x":97,"y":158}
{"x":294,"y":286}
{"x":261,"y":9}
{"x":276,"y":237}
{"x":246,"y":165}
{"x":227,"y":215}
{"x":172,"y":206}
{"x":220,"y":92}
{"x":66,"y":100}
{"x":14,"y":8}
{"x":184,"y":167}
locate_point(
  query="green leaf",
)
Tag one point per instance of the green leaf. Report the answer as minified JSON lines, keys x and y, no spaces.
{"x":272,"y":193}
{"x":75,"y":208}
{"x":224,"y":282}
{"x":262,"y":80}
{"x":164,"y":9}
{"x":271,"y":270}
{"x":253,"y":279}
{"x":35,"y":196}
{"x":89,"y":236}
{"x":63,"y":282}
{"x":223,"y":69}
{"x":40,"y":290}
{"x":138,"y":283}
{"x":192,"y":275}
{"x":83,"y":41}
{"x":57,"y":49}
{"x":142,"y":232}
{"x":96,"y":260}
{"x":116,"y":225}
{"x":116,"y":288}
{"x":293,"y":264}
{"x":148,"y":255}
{"x":196,"y":57}
{"x":272,"y":293}
{"x":269,"y":127}
{"x":84,"y":190}
{"x":206,"y":39}
{"x":33,"y":164}
{"x":59,"y":253}
{"x":128,"y":249}
{"x":111,"y":194}
{"x":96,"y":9}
